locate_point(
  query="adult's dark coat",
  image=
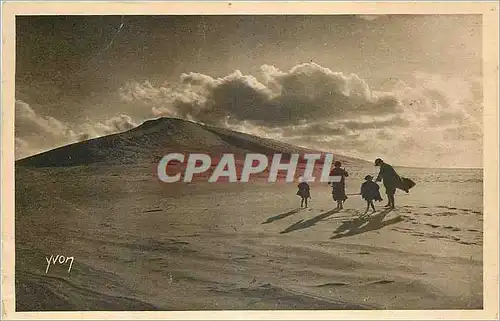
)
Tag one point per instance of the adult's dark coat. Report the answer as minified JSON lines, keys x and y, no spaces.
{"x":392,"y":180}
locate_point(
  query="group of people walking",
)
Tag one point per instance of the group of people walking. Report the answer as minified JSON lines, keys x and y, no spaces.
{"x":369,"y":189}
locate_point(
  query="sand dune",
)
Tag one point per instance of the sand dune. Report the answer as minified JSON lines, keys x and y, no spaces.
{"x":153,"y":139}
{"x":139,"y":244}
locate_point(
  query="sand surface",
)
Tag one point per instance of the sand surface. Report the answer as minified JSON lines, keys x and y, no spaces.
{"x":142,"y":245}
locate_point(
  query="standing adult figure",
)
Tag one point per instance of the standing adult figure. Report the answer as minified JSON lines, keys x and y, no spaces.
{"x":391,"y":181}
{"x":338,"y":185}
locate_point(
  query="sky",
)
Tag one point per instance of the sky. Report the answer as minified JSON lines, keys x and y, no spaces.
{"x":406,"y":88}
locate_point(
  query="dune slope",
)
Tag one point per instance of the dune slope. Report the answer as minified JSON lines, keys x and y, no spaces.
{"x":154,"y":138}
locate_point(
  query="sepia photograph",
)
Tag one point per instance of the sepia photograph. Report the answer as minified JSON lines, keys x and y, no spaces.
{"x":249,"y":162}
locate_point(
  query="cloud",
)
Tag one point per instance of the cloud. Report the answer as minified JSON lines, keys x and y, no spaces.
{"x":313,"y":106}
{"x":306,"y":92}
{"x":397,"y":121}
{"x":318,"y":129}
{"x":429,"y":120}
{"x":28,"y":120}
{"x":114,"y":124}
{"x":35,"y":133}
{"x":22,"y":148}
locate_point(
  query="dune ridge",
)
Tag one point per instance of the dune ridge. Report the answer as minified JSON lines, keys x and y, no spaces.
{"x":150,"y":141}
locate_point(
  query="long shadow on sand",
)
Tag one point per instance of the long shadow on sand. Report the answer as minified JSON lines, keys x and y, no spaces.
{"x":281,"y":216}
{"x":305,"y":224}
{"x":365,"y":224}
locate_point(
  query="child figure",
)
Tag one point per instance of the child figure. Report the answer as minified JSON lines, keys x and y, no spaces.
{"x":304,"y":192}
{"x":370,"y":192}
{"x":338,"y":187}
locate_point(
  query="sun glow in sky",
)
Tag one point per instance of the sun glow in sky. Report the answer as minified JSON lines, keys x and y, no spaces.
{"x":406,"y":88}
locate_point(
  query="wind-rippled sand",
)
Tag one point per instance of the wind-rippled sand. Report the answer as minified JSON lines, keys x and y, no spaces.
{"x":142,"y":245}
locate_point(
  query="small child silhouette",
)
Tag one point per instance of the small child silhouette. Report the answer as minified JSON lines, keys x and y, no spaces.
{"x":304,"y":192}
{"x":370,"y":192}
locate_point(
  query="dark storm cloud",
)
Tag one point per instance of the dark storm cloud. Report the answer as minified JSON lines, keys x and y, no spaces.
{"x":306,"y":92}
{"x":311,"y":105}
